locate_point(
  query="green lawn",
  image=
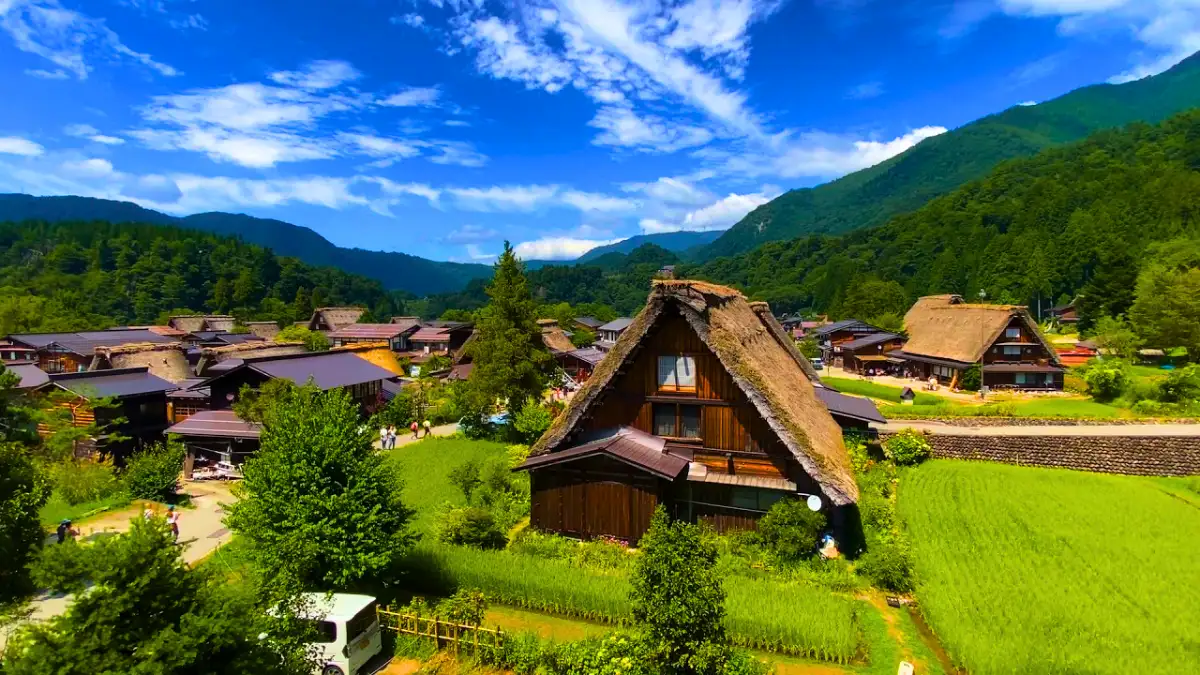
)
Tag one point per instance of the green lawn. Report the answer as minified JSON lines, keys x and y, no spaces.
{"x":425,"y":468}
{"x":1052,"y":406}
{"x":1028,"y":570}
{"x":883,"y":392}
{"x":57,"y":509}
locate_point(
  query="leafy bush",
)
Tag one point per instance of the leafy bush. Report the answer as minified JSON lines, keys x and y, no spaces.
{"x":531,"y":421}
{"x":471,"y":527}
{"x":466,"y":606}
{"x":154,"y":472}
{"x":791,"y":529}
{"x":972,"y":378}
{"x":887,"y":564}
{"x":1181,"y":385}
{"x":1106,"y":380}
{"x":907,"y":448}
{"x":466,"y":478}
{"x":84,"y":480}
{"x":61,"y":566}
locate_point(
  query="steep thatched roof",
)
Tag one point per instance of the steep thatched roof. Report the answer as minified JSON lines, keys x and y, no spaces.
{"x":763,"y":367}
{"x":335,"y":317}
{"x":379,"y":353}
{"x":263,"y":329}
{"x":197,"y":322}
{"x":165,"y":360}
{"x":945,"y":327}
{"x":553,"y":336}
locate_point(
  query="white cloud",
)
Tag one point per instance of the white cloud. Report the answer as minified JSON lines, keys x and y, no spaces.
{"x":590,"y":201}
{"x":621,"y":126}
{"x":865,"y":90}
{"x":12,"y":145}
{"x":1026,"y":104}
{"x":91,"y":133}
{"x":410,"y":19}
{"x":471,"y":234}
{"x":317,"y":75}
{"x":477,"y":255}
{"x":56,"y":74}
{"x":89,"y":167}
{"x":413,"y":97}
{"x":504,"y":198}
{"x":671,"y":190}
{"x":558,"y":248}
{"x":817,"y":154}
{"x":721,"y":214}
{"x":66,"y":38}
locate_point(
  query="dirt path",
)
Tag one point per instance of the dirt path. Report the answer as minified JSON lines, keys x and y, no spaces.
{"x":404,"y":436}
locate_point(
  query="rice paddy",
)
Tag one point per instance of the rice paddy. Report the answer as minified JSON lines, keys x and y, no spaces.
{"x":425,"y":469}
{"x":765,"y":615}
{"x":1026,"y":570}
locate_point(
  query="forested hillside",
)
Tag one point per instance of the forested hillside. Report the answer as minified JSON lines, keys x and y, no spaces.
{"x":79,"y":275}
{"x":1074,"y":219}
{"x":943,"y":163}
{"x":395,"y":270}
{"x":677,"y":242}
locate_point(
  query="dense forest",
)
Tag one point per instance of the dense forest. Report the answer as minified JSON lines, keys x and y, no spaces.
{"x":81,"y":275}
{"x":943,"y":163}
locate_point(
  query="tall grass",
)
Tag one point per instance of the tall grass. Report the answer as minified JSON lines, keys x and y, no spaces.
{"x":761,"y":614}
{"x":1026,"y":570}
{"x":425,"y":469}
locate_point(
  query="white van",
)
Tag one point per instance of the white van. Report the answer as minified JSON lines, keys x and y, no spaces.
{"x":348,"y":629}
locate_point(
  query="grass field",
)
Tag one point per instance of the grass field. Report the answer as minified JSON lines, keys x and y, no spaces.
{"x":882,"y":392}
{"x":425,"y":468}
{"x":1025,"y":570}
{"x":56,"y":509}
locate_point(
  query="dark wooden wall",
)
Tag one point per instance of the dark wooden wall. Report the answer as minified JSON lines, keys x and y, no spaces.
{"x":594,"y":497}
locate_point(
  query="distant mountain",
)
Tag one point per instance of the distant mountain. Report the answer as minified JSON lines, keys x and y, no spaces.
{"x":943,"y":163}
{"x":395,"y":270}
{"x":676,"y":242}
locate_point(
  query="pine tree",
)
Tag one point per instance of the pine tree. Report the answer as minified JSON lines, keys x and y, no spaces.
{"x":511,"y":362}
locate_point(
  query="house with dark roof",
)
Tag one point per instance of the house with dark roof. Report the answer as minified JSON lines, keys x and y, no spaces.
{"x":74,"y":352}
{"x":831,"y":336}
{"x":1065,"y":314}
{"x":212,"y":436}
{"x":869,"y":352}
{"x":608,"y":334}
{"x":589,"y":323}
{"x":325,"y":319}
{"x":704,"y":406}
{"x":440,"y":337}
{"x":327,"y":370}
{"x":136,"y":410}
{"x":395,"y":334}
{"x":190,"y":323}
{"x":947,"y":335}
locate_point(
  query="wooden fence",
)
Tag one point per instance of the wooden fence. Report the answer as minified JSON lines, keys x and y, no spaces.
{"x":444,"y":633}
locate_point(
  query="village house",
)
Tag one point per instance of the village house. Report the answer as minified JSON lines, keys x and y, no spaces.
{"x":870,"y":352}
{"x":220,"y":338}
{"x":136,"y":410}
{"x":22,"y":362}
{"x":326,"y":319}
{"x":210,"y":361}
{"x":191,"y":323}
{"x":588,"y":323}
{"x":948,"y":335}
{"x":1065,"y":314}
{"x":831,"y":336}
{"x":440,"y":338}
{"x":212,"y":436}
{"x":704,"y":406}
{"x":74,"y":352}
{"x":608,"y":334}
{"x":396,"y":335}
{"x":266,"y":330}
{"x":166,"y":360}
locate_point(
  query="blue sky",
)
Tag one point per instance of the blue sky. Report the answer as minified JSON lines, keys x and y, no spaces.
{"x":443,"y":127}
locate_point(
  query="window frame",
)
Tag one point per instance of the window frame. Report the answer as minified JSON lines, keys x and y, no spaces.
{"x":676,"y":388}
{"x":1012,"y":332}
{"x":656,"y":406}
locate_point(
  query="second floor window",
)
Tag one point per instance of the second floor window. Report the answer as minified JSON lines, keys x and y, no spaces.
{"x":1012,"y":350}
{"x":677,"y":373}
{"x":1013,"y":333}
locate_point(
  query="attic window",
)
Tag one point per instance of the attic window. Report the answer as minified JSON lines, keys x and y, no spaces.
{"x":677,"y":373}
{"x":1014,"y":332}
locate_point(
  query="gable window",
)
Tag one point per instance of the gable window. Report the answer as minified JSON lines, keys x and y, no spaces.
{"x":1012,"y":350}
{"x":677,"y":373}
{"x":675,"y":420}
{"x":1013,"y":332}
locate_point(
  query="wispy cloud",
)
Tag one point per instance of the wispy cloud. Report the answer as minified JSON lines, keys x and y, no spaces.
{"x":558,"y":248}
{"x":413,"y":97}
{"x":721,"y":214}
{"x":91,"y":133}
{"x":66,"y":38}
{"x":14,"y":145}
{"x":865,"y":90}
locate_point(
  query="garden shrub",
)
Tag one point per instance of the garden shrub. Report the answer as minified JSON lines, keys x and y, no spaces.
{"x":1107,"y":380}
{"x":791,"y":529}
{"x":907,"y":448}
{"x":887,"y":564}
{"x":531,"y":421}
{"x":84,"y":480}
{"x":1181,"y":385}
{"x":972,"y":378}
{"x":154,"y":472}
{"x":471,"y":527}
{"x":466,"y":606}
{"x":64,"y":567}
{"x":466,"y":478}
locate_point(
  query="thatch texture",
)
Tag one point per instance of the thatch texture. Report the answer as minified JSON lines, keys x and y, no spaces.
{"x":167,"y":361}
{"x":333,"y":318}
{"x":191,"y":323}
{"x":945,"y":327}
{"x":777,"y":331}
{"x":378,"y":353}
{"x":768,"y":374}
{"x":266,"y":330}
{"x":553,"y":336}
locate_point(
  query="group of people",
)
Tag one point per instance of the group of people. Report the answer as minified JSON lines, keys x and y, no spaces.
{"x":387,"y":435}
{"x":66,"y":530}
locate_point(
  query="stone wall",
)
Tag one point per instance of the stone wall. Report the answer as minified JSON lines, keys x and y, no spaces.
{"x":1132,"y":455}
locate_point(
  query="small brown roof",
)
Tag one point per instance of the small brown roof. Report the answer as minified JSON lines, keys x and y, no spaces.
{"x":336,"y":317}
{"x":216,"y":423}
{"x":553,"y":337}
{"x":625,"y":444}
{"x":945,"y":327}
{"x":754,"y":352}
{"x":371,"y":331}
{"x":430,"y":335}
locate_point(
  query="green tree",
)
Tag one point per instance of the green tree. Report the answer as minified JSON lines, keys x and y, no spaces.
{"x":148,"y":612}
{"x":791,"y":529}
{"x":23,"y":491}
{"x":1166,"y":309}
{"x":318,"y":505}
{"x":314,"y":341}
{"x":809,"y":347}
{"x":511,"y":362}
{"x":1114,"y":337}
{"x":154,"y":472}
{"x":873,"y":297}
{"x":531,"y":421}
{"x":677,"y":596}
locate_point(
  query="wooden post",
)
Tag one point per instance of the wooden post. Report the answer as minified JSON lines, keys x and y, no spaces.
{"x":477,"y":642}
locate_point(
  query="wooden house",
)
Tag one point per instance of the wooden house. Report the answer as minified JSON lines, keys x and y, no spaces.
{"x":337,"y":369}
{"x":396,"y":335}
{"x":137,"y":410}
{"x":608,"y":334}
{"x":1065,"y":314}
{"x":74,"y":352}
{"x":588,"y":323}
{"x":213,"y":360}
{"x":442,"y":338}
{"x":266,"y":330}
{"x":326,"y":319}
{"x":212,"y":436}
{"x":165,"y":360}
{"x":831,"y":336}
{"x":554,"y":337}
{"x":191,"y":323}
{"x":948,"y":335}
{"x":870,"y":352}
{"x":1077,"y":353}
{"x":703,"y":406}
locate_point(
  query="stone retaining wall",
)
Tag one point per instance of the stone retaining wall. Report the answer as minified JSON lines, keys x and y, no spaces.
{"x":1040,"y":421}
{"x":1132,"y":455}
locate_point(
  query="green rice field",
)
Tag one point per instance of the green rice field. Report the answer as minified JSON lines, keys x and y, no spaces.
{"x":1029,"y":570}
{"x":425,"y":469}
{"x":882,"y":392}
{"x":764,"y":615}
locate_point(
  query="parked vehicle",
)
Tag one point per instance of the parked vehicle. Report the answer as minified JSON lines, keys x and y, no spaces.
{"x":348,"y":630}
{"x":227,"y":471}
{"x":817,"y":364}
